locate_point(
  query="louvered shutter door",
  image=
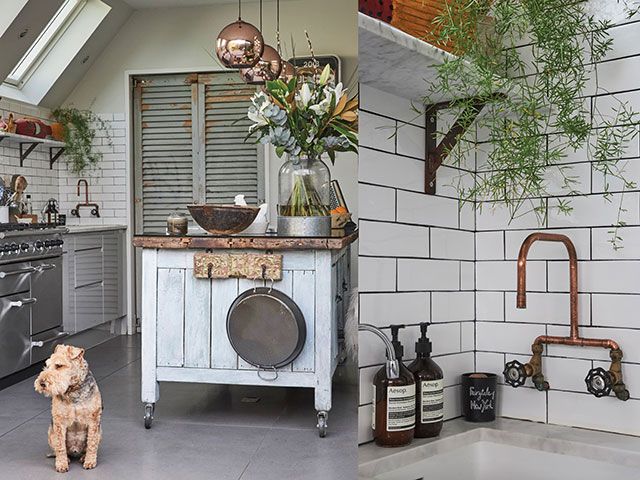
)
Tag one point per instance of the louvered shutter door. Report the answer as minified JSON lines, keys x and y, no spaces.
{"x":232,"y":166}
{"x":163,"y":115}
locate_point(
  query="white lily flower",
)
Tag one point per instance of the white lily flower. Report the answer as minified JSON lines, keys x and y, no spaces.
{"x":304,"y":96}
{"x":322,"y":107}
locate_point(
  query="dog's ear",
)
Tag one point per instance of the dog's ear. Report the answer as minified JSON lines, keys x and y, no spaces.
{"x":59,"y":347}
{"x":76,"y":352}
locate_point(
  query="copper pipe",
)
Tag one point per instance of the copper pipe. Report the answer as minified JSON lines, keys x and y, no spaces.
{"x":574,"y":338}
{"x":86,"y":190}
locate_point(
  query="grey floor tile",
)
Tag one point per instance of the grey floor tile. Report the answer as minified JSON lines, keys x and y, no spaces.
{"x":295,"y":454}
{"x":199,"y":431}
{"x":128,"y":451}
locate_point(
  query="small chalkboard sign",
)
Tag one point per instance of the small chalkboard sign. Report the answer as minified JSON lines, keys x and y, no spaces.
{"x":479,"y":396}
{"x":307,"y":67}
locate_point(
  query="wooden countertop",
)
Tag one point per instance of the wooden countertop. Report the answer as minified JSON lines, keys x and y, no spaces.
{"x":264,"y":242}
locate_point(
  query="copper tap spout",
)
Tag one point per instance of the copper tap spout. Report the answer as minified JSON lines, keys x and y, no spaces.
{"x":86,"y":190}
{"x":521,"y":301}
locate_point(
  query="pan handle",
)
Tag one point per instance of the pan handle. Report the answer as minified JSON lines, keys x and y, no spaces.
{"x":273,"y":370}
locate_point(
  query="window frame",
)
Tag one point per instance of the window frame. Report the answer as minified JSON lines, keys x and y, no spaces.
{"x":44,"y":43}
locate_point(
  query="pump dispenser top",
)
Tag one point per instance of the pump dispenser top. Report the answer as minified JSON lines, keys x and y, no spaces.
{"x":423,"y":345}
{"x":397,"y":346}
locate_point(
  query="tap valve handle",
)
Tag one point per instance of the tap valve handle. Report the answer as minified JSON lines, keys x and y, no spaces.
{"x":599,"y":382}
{"x":515,"y":373}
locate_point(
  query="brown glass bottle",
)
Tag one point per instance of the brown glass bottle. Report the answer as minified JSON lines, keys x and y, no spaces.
{"x":429,"y":389}
{"x":394,"y":402}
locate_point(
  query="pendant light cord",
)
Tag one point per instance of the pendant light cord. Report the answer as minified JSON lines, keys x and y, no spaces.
{"x":261,"y":16}
{"x":239,"y":10}
{"x":278,"y":26}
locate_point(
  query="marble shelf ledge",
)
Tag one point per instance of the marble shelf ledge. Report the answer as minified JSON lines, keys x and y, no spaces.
{"x":238,"y":242}
{"x":394,"y":61}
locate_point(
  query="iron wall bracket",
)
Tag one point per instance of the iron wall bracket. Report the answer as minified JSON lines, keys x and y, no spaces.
{"x":436,"y":152}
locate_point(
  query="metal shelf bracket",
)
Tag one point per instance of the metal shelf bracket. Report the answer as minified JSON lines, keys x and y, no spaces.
{"x":54,"y":155}
{"x":25,"y":153}
{"x":436,"y":152}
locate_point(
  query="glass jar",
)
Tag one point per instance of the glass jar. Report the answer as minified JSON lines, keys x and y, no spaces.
{"x":304,"y":188}
{"x":304,"y":198}
{"x":177,"y":224}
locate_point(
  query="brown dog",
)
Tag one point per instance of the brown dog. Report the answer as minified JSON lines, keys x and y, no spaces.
{"x":76,"y":407}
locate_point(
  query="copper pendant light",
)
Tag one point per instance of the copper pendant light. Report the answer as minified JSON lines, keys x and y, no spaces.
{"x":239,"y":44}
{"x":268,"y":67}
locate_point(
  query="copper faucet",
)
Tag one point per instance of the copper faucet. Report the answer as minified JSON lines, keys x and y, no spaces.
{"x":95,"y":208}
{"x":599,"y":382}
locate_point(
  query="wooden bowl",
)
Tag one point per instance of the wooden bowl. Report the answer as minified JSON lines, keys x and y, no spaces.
{"x":223,"y":219}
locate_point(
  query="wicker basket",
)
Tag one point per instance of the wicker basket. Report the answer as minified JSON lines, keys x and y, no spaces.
{"x":416,"y":17}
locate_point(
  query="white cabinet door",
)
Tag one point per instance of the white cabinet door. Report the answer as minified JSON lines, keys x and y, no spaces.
{"x":113,"y":275}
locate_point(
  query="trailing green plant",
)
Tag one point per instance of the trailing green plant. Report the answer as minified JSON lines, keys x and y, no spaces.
{"x":79,"y":131}
{"x":536,"y":69}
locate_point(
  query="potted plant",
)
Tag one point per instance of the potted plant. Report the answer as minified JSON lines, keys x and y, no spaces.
{"x":532,"y":73}
{"x":304,"y":121}
{"x":78,"y":130}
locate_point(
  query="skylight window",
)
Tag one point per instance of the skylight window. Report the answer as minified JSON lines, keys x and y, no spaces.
{"x":45,"y":41}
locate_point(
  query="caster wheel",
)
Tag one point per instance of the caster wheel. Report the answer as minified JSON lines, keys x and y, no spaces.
{"x":322,"y":424}
{"x":148,"y":415}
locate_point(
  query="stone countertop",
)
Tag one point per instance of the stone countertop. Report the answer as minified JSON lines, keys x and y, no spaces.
{"x":77,"y":229}
{"x":240,"y":242}
{"x":591,"y":444}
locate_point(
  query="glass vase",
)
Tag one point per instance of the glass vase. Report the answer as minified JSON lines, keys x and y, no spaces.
{"x":304,"y":186}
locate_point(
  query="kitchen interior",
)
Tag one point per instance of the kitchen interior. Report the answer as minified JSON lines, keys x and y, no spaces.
{"x":498,"y":329}
{"x":110,"y":112}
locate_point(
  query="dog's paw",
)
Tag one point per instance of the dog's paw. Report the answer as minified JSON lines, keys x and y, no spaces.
{"x":89,"y":464}
{"x":62,"y":466}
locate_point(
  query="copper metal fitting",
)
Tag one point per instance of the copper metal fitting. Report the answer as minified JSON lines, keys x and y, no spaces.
{"x":574,"y":338}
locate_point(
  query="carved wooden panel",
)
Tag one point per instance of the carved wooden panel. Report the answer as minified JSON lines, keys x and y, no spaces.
{"x":243,"y":265}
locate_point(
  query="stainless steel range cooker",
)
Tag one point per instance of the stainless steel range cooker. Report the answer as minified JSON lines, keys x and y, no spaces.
{"x":30,"y":294}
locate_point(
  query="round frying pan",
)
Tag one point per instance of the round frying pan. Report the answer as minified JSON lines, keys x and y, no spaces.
{"x":266,"y":328}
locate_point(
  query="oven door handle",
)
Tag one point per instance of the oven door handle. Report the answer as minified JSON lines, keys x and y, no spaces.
{"x":22,"y":271}
{"x":45,"y":266}
{"x":42,"y":343}
{"x":23,"y":302}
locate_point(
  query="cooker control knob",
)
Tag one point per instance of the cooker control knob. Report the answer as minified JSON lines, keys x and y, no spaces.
{"x":58,"y":242}
{"x":48,"y":243}
{"x":5,"y":249}
{"x":24,"y":247}
{"x":15,"y":248}
{"x":38,"y":245}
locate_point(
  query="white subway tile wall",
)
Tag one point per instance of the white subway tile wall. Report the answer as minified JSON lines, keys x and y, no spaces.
{"x":416,"y":261}
{"x":106,"y":182}
{"x":471,"y":288}
{"x":609,"y":282}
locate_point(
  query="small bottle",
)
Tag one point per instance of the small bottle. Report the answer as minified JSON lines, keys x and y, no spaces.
{"x":430,"y":389}
{"x":28,"y":206}
{"x":394,"y":402}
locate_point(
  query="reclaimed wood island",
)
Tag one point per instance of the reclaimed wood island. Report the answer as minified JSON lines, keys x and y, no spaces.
{"x":185,"y":334}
